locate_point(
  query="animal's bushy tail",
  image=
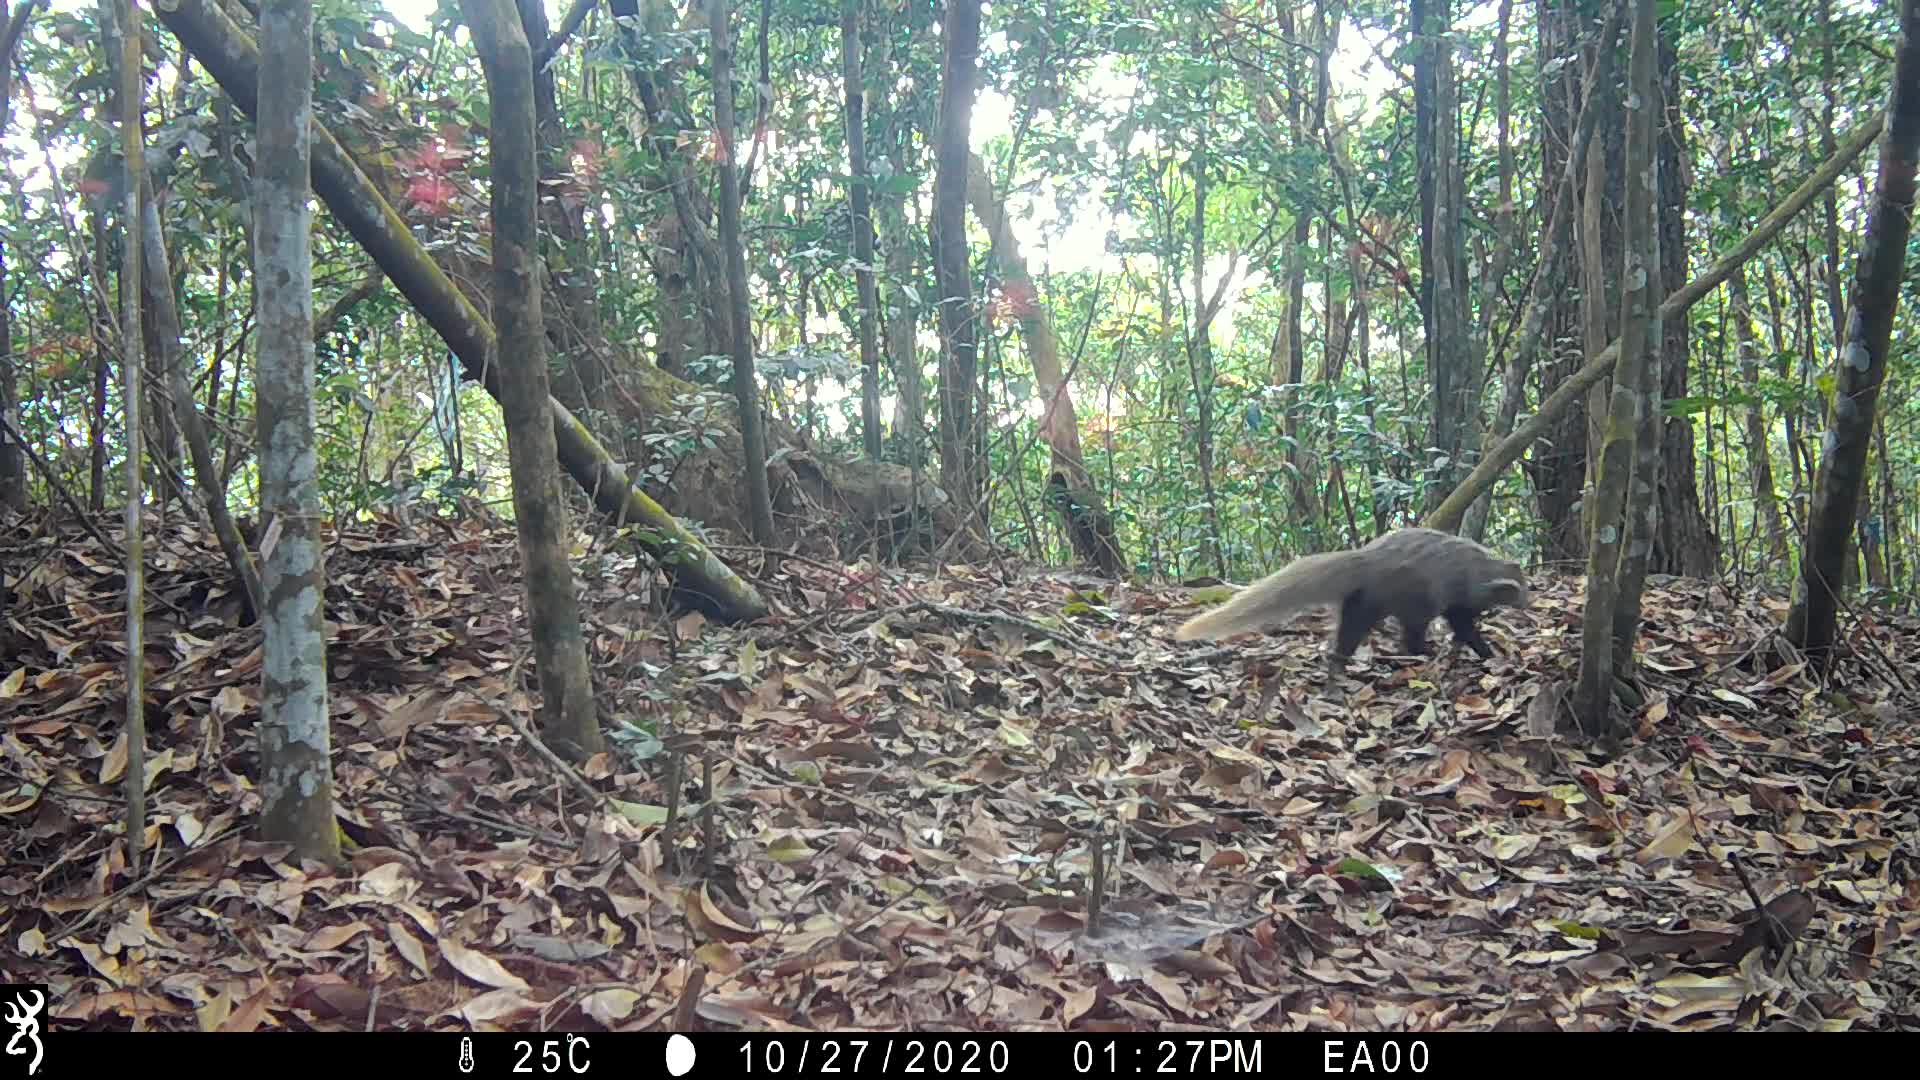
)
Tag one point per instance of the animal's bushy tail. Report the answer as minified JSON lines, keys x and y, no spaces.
{"x":1306,"y":582}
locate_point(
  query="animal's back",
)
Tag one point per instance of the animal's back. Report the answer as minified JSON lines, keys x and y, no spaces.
{"x":1451,"y":570}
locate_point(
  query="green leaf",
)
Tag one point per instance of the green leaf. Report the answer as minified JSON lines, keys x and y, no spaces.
{"x":1360,"y":868}
{"x":640,"y":813}
{"x":1212,"y":594}
{"x":788,"y":849}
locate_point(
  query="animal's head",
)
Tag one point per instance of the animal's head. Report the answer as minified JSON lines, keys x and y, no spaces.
{"x":1507,"y":588}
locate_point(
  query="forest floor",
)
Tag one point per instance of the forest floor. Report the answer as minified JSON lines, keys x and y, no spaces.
{"x":910,"y":774}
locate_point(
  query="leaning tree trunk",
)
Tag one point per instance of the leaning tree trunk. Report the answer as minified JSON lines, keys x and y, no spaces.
{"x":1083,"y":512}
{"x":700,"y":579}
{"x":158,"y":282}
{"x":1449,"y":513}
{"x":1813,"y":620}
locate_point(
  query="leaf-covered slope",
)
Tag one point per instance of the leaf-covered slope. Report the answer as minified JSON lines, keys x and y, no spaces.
{"x":910,"y":773}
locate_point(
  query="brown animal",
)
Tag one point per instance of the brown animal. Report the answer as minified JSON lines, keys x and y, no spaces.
{"x":1411,"y":574}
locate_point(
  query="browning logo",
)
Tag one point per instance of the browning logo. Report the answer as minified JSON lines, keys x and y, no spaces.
{"x":23,"y":1005}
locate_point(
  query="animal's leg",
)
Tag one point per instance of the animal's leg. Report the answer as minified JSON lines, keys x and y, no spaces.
{"x":1467,"y":631}
{"x":1357,"y":619}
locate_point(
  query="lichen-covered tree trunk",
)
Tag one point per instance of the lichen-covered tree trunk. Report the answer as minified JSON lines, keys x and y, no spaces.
{"x":962,"y":468}
{"x":1813,"y":619}
{"x":296,"y":761}
{"x":1448,"y":514}
{"x":699,"y":578}
{"x":568,"y":713}
{"x":1083,"y":512}
{"x":1648,"y":523}
{"x":1620,"y":505}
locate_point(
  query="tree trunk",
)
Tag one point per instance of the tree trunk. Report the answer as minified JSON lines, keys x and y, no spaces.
{"x":1557,"y":470}
{"x":1766,"y":504}
{"x":1647,"y":522}
{"x":120,"y":23}
{"x":568,"y":712}
{"x":1200,"y":361}
{"x":961,"y":462}
{"x":13,"y":458}
{"x":295,"y":740}
{"x":1685,"y":543}
{"x":1083,"y":513}
{"x":746,"y":388}
{"x":1506,"y":231}
{"x":1813,"y":620}
{"x":860,"y":198}
{"x":1305,"y":507}
{"x":165,"y":315}
{"x":1600,"y":241}
{"x":1451,"y":365}
{"x":1620,"y":507}
{"x":1543,"y":300}
{"x":910,"y":408}
{"x":571,"y":311}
